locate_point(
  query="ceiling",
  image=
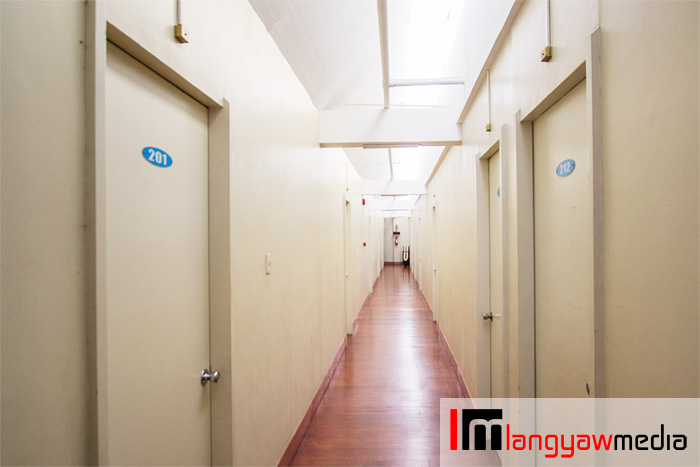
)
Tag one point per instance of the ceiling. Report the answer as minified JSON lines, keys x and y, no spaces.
{"x":333,"y":46}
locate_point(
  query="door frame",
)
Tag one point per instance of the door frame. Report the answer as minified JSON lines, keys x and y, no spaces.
{"x":98,"y":32}
{"x":589,"y":70}
{"x":483,"y":233}
{"x":416,"y":254}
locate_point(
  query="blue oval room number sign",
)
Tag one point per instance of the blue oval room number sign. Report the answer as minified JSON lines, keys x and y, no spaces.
{"x":157,"y":157}
{"x":566,"y":167}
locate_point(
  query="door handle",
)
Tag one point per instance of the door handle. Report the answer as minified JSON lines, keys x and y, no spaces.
{"x":206,"y":377}
{"x":487,"y":317}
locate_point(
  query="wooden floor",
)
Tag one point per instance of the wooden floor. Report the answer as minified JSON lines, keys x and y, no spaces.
{"x":382,"y":404}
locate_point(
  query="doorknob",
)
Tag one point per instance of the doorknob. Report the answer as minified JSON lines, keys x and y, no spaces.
{"x":213,"y":377}
{"x":487,"y":317}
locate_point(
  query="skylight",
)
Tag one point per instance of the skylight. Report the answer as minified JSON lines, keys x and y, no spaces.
{"x":422,"y":35}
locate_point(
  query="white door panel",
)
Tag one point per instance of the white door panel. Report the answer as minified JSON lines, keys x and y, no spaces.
{"x":563,"y":250}
{"x":157,"y":264}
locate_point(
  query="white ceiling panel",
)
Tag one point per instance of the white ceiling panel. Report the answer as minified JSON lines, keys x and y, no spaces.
{"x":330,"y":44}
{"x":270,"y":11}
{"x":370,"y":164}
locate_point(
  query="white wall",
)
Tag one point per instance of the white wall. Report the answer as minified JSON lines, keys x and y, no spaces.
{"x":650,"y":194}
{"x":415,"y":223}
{"x":46,"y":395}
{"x":287,"y":198}
{"x":366,"y":244}
{"x":423,"y":217}
{"x":0,"y":234}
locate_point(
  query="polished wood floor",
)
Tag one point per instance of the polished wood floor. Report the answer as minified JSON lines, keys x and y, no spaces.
{"x":382,"y":404}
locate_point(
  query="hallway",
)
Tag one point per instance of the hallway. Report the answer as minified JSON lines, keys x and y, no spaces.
{"x":209,"y":191}
{"x":382,"y":404}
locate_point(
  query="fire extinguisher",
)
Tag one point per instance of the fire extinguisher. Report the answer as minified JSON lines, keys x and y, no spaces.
{"x":396,"y":241}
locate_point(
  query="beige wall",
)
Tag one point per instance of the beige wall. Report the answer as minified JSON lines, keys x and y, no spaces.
{"x":0,"y":237}
{"x":425,"y":258}
{"x":44,"y":413}
{"x":287,"y":198}
{"x":650,"y":127}
{"x":650,"y":193}
{"x":366,"y":227}
{"x":456,"y":255}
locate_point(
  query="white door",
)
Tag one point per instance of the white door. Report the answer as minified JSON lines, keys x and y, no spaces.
{"x":436,"y":294}
{"x":157,"y":286}
{"x":496,"y":266}
{"x":563,"y":250}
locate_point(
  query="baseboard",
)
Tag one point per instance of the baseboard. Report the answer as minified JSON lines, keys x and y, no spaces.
{"x":463,"y":389}
{"x":299,"y":433}
{"x":363,"y":309}
{"x":425,"y":300}
{"x":427,"y":304}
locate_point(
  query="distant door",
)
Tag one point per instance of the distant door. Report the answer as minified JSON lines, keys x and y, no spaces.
{"x":496,"y":261}
{"x":348,"y":254}
{"x":563,"y":250}
{"x":436,"y":295}
{"x":157,"y":288}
